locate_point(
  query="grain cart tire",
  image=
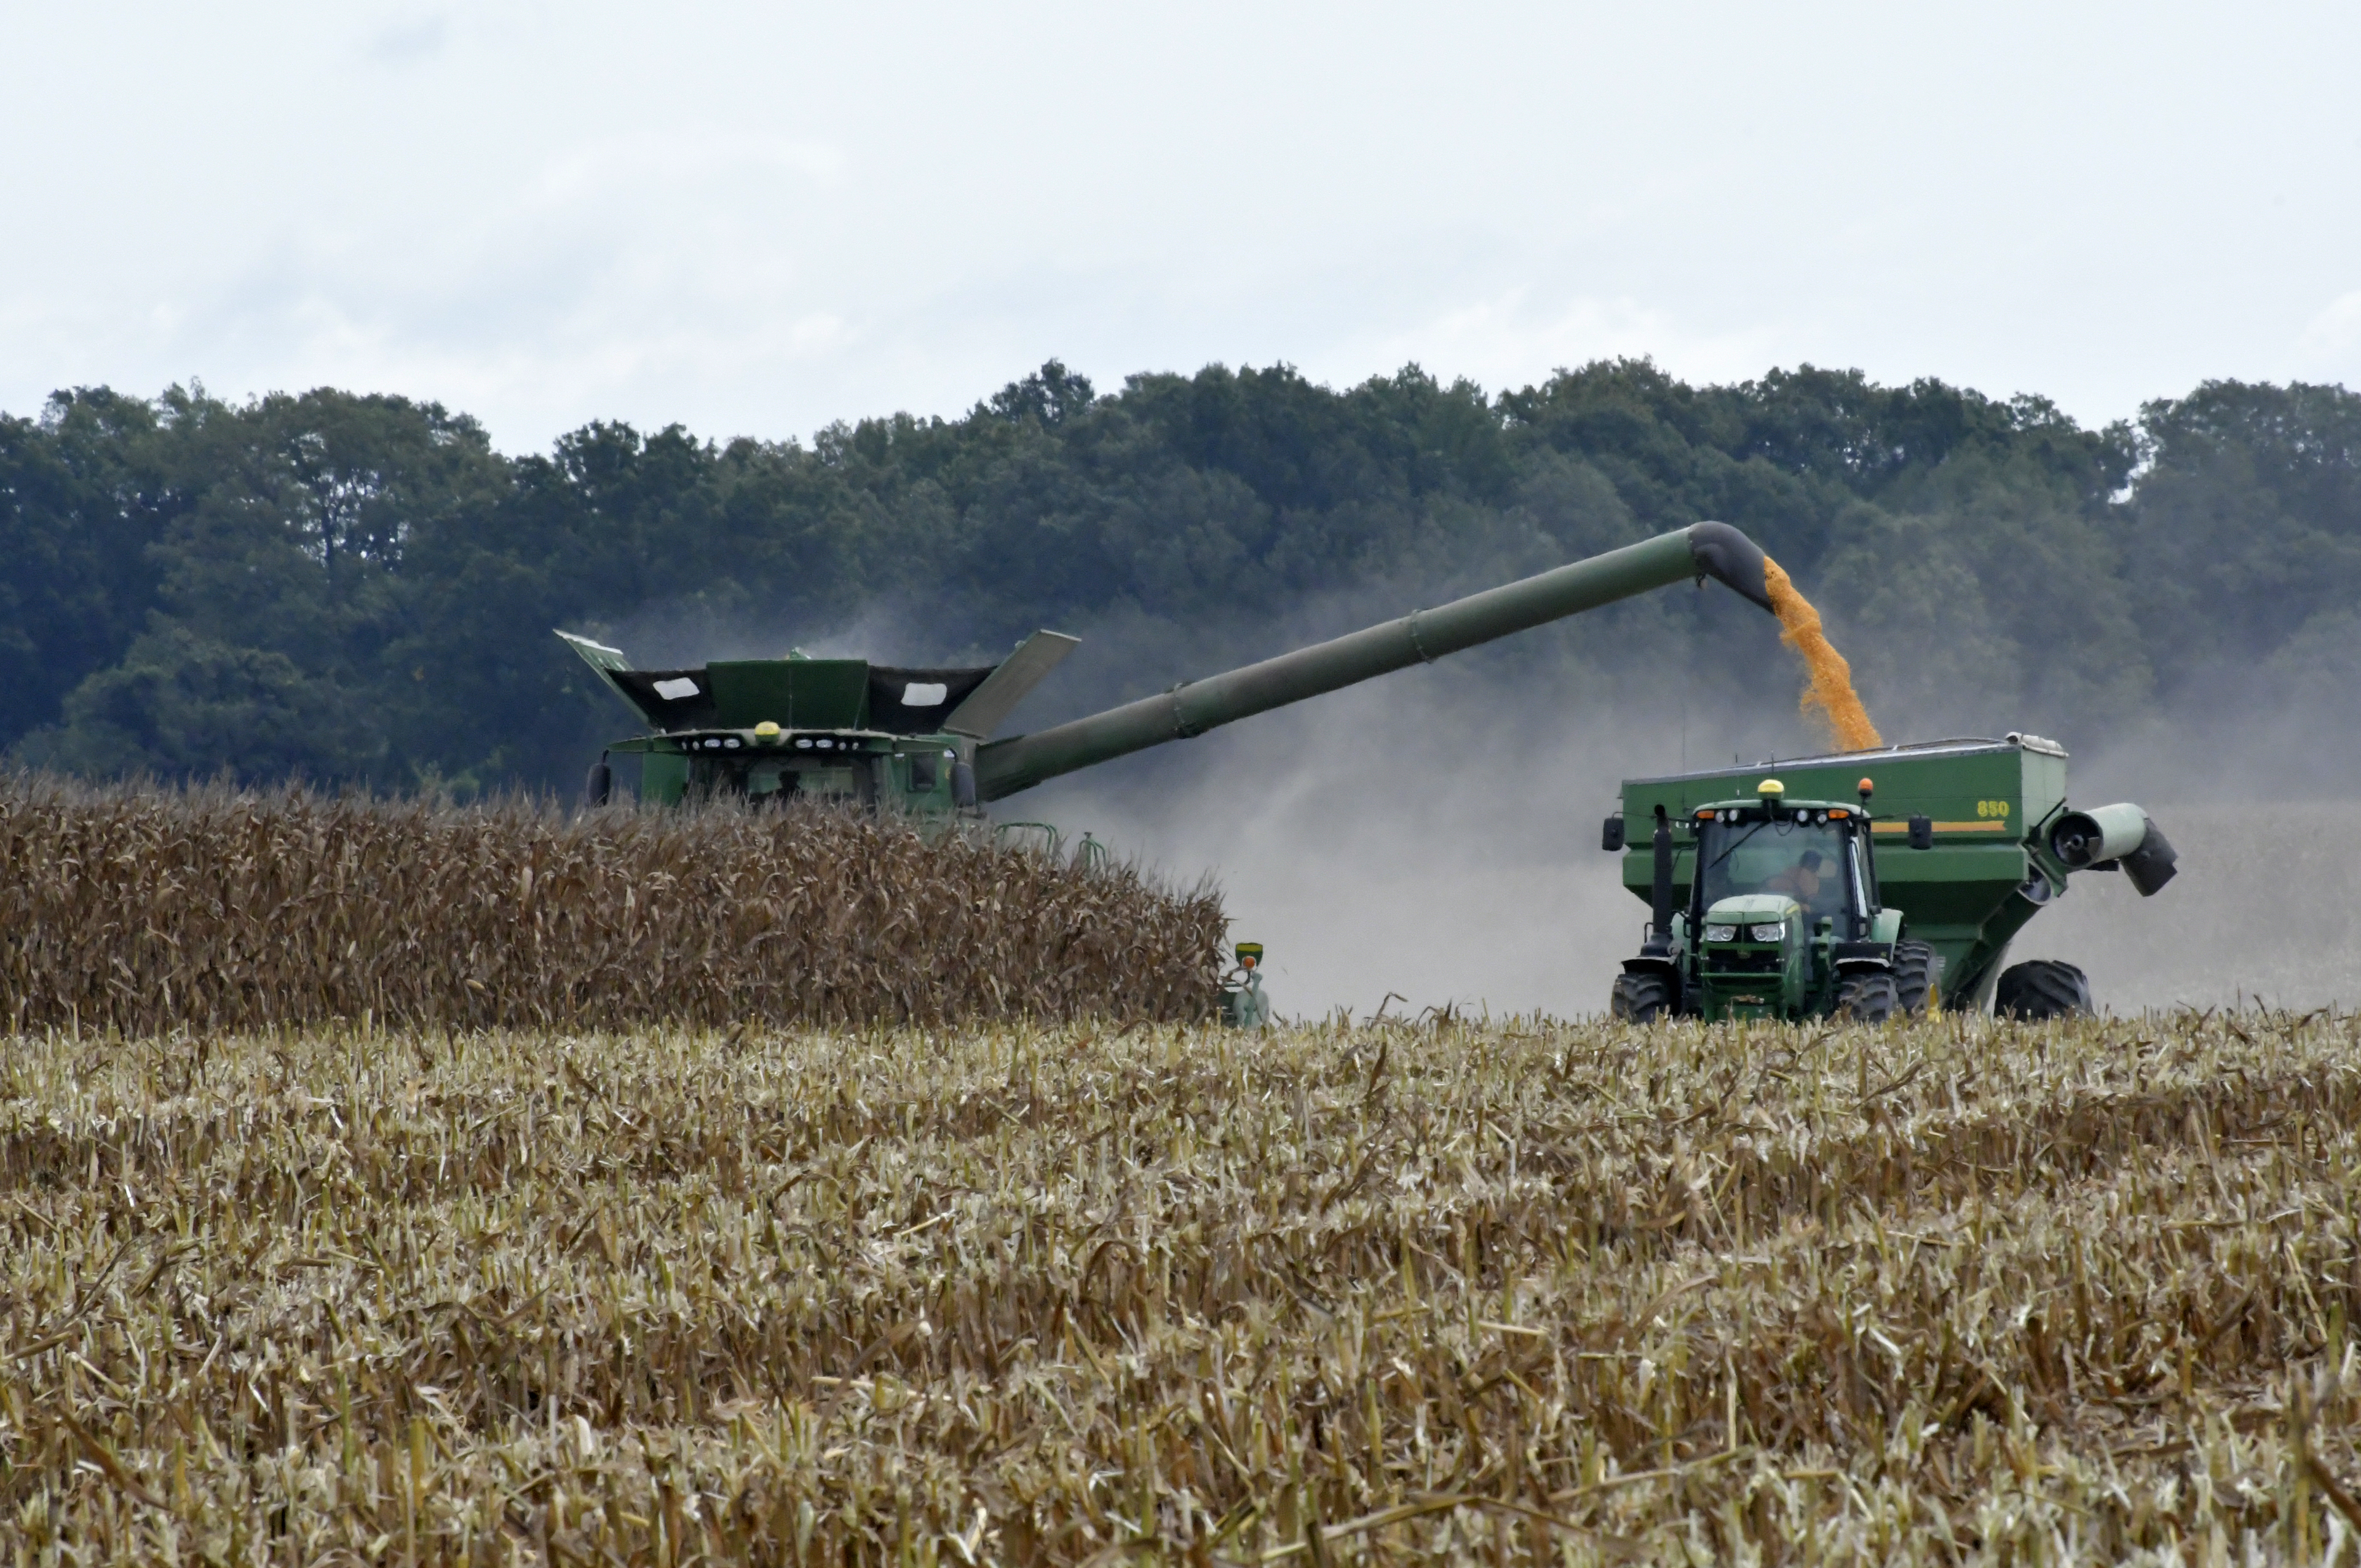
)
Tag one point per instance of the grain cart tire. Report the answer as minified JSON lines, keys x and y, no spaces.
{"x":1866,"y":997}
{"x":1916,"y":971}
{"x":1642,"y":998}
{"x":2042,"y":988}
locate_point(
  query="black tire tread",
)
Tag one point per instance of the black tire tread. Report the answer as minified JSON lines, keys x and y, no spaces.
{"x":1642,"y":998}
{"x":2040,"y":989}
{"x":1917,"y":973}
{"x":1867,"y":996}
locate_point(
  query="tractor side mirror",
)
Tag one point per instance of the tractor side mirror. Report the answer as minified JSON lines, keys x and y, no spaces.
{"x":1610,"y":838}
{"x":1922,"y":832}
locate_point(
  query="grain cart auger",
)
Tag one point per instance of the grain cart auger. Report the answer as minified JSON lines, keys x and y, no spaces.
{"x":1865,"y":883}
{"x":920,"y":741}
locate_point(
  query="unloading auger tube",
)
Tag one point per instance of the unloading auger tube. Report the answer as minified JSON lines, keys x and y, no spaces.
{"x":1696,"y":552}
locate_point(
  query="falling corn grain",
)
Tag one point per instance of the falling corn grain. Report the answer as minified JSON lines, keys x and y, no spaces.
{"x":1829,"y":698}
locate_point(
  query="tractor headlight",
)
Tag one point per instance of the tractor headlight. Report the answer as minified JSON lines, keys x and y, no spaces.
{"x":1721,"y":933}
{"x":1770,"y":933}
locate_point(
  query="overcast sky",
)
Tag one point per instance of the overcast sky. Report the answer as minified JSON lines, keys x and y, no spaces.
{"x":758,"y":218}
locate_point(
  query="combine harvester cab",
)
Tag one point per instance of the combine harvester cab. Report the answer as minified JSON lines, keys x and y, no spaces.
{"x":1865,"y":884}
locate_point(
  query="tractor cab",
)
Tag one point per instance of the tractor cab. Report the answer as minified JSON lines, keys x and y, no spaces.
{"x":1812,"y":855}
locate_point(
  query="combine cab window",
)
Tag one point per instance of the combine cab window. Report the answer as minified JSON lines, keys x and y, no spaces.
{"x":829,"y":783}
{"x":1813,"y":865}
{"x":768,"y":779}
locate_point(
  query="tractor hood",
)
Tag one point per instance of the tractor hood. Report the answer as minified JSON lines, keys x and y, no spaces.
{"x":1752,"y":909}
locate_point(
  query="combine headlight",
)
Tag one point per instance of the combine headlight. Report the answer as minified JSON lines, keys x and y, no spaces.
{"x":1771,"y":933}
{"x":1721,"y":933}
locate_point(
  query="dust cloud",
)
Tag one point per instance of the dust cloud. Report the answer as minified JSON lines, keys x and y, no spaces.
{"x":1414,"y":836}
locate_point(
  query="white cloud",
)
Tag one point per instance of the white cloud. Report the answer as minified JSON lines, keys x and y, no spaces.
{"x":759,"y":219}
{"x":409,"y":40}
{"x":2336,"y":332}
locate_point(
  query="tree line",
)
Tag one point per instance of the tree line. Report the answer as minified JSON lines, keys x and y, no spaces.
{"x":359,"y":588}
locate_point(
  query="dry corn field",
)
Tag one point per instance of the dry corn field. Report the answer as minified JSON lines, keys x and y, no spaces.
{"x":1515,"y":1293}
{"x":148,"y":911}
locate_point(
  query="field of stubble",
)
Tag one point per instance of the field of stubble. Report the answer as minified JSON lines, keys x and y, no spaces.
{"x":1507,"y":1293}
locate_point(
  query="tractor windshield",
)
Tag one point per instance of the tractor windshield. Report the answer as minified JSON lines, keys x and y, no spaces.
{"x":1810,"y":862}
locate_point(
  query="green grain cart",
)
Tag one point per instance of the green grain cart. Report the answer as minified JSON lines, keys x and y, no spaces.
{"x":1865,"y":883}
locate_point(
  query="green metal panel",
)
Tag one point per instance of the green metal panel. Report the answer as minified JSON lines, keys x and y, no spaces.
{"x":664,"y":777}
{"x":793,"y":694}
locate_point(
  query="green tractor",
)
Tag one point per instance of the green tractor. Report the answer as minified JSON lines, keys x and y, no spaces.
{"x":1865,"y":885}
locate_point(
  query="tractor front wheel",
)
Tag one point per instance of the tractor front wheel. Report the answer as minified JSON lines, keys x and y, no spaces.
{"x":1642,"y":998}
{"x":2042,"y":988}
{"x":1916,"y":971}
{"x":1866,"y":997}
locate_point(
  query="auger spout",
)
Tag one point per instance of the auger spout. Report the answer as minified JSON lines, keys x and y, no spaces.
{"x":1700,"y":550}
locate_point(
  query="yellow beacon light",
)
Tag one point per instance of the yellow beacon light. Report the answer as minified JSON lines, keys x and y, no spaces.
{"x":1771,"y":789}
{"x":766,"y":730}
{"x":1249,"y":954}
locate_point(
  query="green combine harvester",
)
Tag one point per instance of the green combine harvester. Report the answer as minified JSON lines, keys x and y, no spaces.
{"x":923,"y":743}
{"x":919,"y":741}
{"x":1865,"y":883}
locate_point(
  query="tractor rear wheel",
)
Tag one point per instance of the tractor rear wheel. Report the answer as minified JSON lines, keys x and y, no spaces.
{"x":1915,"y":972}
{"x":1642,"y":998}
{"x":1866,"y":996}
{"x":2042,"y":988}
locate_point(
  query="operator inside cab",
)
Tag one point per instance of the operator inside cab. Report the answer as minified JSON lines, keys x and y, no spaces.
{"x":1805,"y":879}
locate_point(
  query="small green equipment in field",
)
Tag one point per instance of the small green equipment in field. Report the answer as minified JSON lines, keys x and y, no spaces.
{"x":1782,"y":895}
{"x":1244,"y":1006}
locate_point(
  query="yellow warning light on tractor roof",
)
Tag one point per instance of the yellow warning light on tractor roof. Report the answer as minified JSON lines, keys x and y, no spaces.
{"x":1770,"y":787}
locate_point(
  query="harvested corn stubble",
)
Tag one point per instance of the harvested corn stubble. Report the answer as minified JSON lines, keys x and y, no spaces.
{"x":146,"y":911}
{"x":1950,"y":1291}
